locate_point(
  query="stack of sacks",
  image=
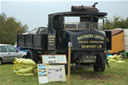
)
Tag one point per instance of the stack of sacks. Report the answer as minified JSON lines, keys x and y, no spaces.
{"x":114,"y":58}
{"x":24,"y":67}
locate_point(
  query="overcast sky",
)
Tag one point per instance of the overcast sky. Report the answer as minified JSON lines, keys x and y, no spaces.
{"x":35,"y":13}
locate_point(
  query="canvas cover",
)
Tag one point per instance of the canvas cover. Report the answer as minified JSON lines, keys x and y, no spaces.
{"x":117,"y":41}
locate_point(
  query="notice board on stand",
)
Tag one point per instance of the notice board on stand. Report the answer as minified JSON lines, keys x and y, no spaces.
{"x":42,"y":73}
{"x":54,"y":59}
{"x":55,"y":68}
{"x":56,"y":73}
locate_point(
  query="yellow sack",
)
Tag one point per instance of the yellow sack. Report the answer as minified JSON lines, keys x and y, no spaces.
{"x":118,"y":57}
{"x":21,"y":66}
{"x":15,"y":61}
{"x":24,"y":61}
{"x":17,"y":66}
{"x":24,"y":67}
{"x":112,"y":60}
{"x":27,"y":70}
{"x":28,"y":62}
{"x":27,"y":66}
{"x":113,"y":57}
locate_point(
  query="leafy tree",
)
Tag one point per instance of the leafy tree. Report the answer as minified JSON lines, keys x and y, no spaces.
{"x":9,"y":28}
{"x":117,"y":22}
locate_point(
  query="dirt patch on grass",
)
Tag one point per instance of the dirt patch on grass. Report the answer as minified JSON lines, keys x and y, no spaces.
{"x":95,"y":77}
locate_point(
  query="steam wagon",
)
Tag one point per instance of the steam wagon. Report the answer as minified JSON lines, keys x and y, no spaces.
{"x":89,"y":42}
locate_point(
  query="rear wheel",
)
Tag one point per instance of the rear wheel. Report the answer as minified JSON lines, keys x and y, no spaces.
{"x":32,"y":55}
{"x":0,"y":61}
{"x":99,"y":66}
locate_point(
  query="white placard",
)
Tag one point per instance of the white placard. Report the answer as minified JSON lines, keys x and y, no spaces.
{"x":56,"y":73}
{"x":56,"y":59}
{"x":42,"y":73}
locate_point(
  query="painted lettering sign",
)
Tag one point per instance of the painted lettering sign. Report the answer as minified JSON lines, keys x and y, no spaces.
{"x":90,"y":36}
{"x":91,"y":41}
{"x":51,"y":41}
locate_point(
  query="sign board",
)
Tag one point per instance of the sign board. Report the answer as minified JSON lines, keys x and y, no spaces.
{"x":56,"y":73}
{"x":42,"y":73}
{"x":51,"y":41}
{"x":56,"y":59}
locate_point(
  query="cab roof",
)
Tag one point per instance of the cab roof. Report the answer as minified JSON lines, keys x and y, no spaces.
{"x":80,"y":13}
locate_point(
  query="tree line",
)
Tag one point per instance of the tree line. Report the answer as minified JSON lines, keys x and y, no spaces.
{"x":9,"y":28}
{"x":117,"y":22}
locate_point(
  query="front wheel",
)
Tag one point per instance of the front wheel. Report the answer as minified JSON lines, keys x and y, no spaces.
{"x":32,"y":55}
{"x":99,"y":66}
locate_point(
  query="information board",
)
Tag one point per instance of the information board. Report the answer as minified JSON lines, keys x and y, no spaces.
{"x":54,"y":59}
{"x":56,"y":73}
{"x":42,"y":73}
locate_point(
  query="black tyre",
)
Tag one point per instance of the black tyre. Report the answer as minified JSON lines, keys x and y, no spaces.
{"x":0,"y":61}
{"x":99,"y":66}
{"x":32,"y":55}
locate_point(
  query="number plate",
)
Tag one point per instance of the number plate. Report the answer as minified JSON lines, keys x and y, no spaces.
{"x":88,"y":59}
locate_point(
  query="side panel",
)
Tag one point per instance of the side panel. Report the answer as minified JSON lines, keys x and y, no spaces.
{"x":20,"y":40}
{"x":40,"y":41}
{"x":117,"y":43}
{"x":28,"y":40}
{"x":35,"y":41}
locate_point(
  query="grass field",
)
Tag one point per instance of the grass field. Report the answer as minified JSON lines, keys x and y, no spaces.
{"x":117,"y":74}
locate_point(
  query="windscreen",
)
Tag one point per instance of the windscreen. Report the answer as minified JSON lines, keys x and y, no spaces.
{"x":80,"y":23}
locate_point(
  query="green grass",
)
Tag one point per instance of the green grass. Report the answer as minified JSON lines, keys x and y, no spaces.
{"x":117,"y":74}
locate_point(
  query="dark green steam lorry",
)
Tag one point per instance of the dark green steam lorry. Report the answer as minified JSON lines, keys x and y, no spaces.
{"x":89,"y":42}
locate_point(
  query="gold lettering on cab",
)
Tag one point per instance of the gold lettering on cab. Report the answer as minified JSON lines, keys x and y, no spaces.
{"x":90,"y":36}
{"x":85,"y":36}
{"x":51,"y":40}
{"x":81,"y":42}
{"x":99,"y":37}
{"x":91,"y":46}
